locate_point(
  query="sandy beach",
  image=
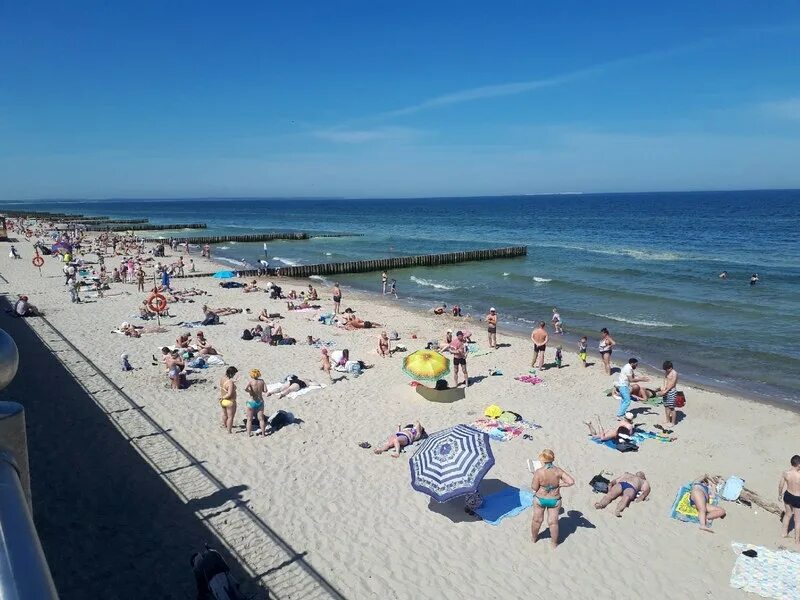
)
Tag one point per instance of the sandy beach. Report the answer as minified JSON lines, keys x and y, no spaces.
{"x":307,"y":513}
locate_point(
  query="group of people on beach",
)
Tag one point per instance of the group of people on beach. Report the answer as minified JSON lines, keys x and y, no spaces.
{"x":548,"y":480}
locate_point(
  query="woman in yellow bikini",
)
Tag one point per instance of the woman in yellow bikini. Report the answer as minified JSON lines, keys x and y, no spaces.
{"x":227,"y":398}
{"x":547,"y":483}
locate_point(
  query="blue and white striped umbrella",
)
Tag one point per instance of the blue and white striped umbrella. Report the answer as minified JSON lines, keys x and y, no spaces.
{"x":451,"y":463}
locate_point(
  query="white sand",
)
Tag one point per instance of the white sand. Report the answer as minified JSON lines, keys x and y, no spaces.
{"x":355,"y":515}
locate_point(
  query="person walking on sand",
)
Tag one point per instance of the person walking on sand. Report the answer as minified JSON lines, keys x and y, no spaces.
{"x":539,"y":338}
{"x":789,"y":494}
{"x":668,"y":391}
{"x":628,"y":487}
{"x":255,"y":406}
{"x":626,"y":378}
{"x":337,"y":298}
{"x":546,"y":485}
{"x":384,"y":281}
{"x":491,"y":324}
{"x":393,"y":288}
{"x":140,"y":279}
{"x":605,"y":347}
{"x":227,"y":398}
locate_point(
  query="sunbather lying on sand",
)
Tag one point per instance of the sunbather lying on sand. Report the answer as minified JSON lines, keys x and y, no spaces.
{"x":351,"y":321}
{"x":225,"y":310}
{"x":628,"y":487}
{"x":203,"y":347}
{"x":625,"y":426}
{"x":292,"y":384}
{"x":251,"y":287}
{"x":405,"y":436}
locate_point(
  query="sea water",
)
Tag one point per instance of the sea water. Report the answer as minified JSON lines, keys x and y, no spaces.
{"x":644,"y":265}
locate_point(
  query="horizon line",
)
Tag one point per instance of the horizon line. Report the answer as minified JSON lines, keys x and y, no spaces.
{"x":421,"y":197}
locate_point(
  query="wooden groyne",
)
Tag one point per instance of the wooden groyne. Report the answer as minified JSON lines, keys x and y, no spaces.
{"x":100,"y":226}
{"x":36,"y":214}
{"x":391,"y":264}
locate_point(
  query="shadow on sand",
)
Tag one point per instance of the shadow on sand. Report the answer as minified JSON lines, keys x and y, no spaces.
{"x":110,"y":525}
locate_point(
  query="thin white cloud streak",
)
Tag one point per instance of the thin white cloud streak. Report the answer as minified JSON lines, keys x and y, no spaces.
{"x":514,"y":88}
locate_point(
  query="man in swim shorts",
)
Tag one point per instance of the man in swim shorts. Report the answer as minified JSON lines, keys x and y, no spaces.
{"x":337,"y":298}
{"x":668,"y":391}
{"x":539,"y":338}
{"x":789,"y":493}
{"x":458,"y":348}
{"x":628,"y":487}
{"x":491,"y":323}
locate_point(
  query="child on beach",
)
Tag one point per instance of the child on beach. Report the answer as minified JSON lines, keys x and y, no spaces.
{"x":558,"y":325}
{"x":582,"y":345}
{"x":326,"y":363}
{"x":383,"y":345}
{"x":393,"y":289}
{"x":126,"y":365}
{"x":559,"y":357}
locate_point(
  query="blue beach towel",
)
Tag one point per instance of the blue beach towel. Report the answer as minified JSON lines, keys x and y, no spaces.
{"x":638,"y":437}
{"x":506,"y":503}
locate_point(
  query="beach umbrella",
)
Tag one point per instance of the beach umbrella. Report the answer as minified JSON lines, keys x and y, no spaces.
{"x":451,"y":463}
{"x":426,"y":364}
{"x":224,"y":274}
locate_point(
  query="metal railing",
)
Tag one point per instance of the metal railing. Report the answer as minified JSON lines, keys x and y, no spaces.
{"x":24,"y":572}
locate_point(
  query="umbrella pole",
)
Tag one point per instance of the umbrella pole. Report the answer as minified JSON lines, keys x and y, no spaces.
{"x":155,"y":291}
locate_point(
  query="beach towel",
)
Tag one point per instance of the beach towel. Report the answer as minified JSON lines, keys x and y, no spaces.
{"x":682,"y":509}
{"x":638,"y":437}
{"x":190,"y":324}
{"x":532,"y":379}
{"x":323,"y":344}
{"x":273,"y":387}
{"x":475,"y":351}
{"x":500,"y":431}
{"x":212,"y":360}
{"x":507,"y":503}
{"x":770,"y":574}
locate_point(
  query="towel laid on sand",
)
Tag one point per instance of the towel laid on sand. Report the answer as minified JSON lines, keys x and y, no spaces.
{"x":532,"y":379}
{"x":638,"y":437}
{"x":505,"y":503}
{"x":190,"y":324}
{"x":771,"y":574}
{"x":502,"y":431}
{"x":682,"y":509}
{"x":272,"y":387}
{"x":475,"y":350}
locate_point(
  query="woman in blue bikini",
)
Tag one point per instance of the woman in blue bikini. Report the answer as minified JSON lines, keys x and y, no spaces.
{"x":700,"y":497}
{"x":547,"y":483}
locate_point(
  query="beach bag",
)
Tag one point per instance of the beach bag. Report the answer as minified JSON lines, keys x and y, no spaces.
{"x":626,"y":446}
{"x":732,"y":489}
{"x":213,"y":577}
{"x":197,"y":363}
{"x":599,"y":484}
{"x":680,"y":400}
{"x":247,"y":334}
{"x":279,"y":420}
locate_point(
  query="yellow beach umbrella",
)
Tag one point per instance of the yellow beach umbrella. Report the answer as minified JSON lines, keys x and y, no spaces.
{"x":426,"y":364}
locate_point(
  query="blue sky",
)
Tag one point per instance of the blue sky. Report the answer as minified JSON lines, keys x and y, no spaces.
{"x":165,"y":99}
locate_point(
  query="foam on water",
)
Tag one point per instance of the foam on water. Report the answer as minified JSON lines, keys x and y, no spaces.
{"x":637,"y":322}
{"x":433,"y":284}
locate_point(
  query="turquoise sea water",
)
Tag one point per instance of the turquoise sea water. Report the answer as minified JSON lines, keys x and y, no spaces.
{"x":644,"y":265}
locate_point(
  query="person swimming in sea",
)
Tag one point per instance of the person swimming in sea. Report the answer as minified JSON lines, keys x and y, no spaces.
{"x":754,"y":279}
